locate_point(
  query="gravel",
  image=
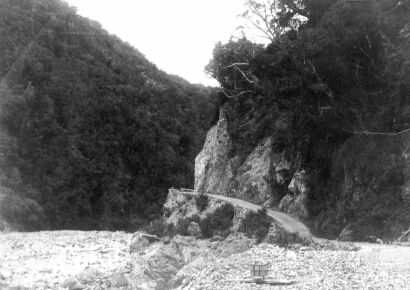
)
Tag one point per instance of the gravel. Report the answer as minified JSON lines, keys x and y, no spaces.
{"x":368,"y":268}
{"x":101,"y":260}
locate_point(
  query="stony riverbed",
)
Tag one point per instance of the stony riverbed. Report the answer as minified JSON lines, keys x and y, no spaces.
{"x":117,"y":260}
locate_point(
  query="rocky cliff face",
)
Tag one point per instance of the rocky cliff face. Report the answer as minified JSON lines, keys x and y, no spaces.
{"x":258,"y":178}
{"x":369,"y":188}
{"x":364,"y":194}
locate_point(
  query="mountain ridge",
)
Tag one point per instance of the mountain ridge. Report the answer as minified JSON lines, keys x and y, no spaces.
{"x":98,"y":130}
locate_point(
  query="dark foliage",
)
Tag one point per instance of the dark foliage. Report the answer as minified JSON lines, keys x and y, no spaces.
{"x":343,"y":69}
{"x":256,"y":225}
{"x":183,"y":224}
{"x":219,"y":221}
{"x":101,"y":133}
{"x":201,"y":202}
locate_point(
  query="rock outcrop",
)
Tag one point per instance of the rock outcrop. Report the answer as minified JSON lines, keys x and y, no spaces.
{"x":353,"y":188}
{"x":262,"y":178}
{"x":213,"y":165}
{"x":295,"y":202}
{"x":254,"y":178}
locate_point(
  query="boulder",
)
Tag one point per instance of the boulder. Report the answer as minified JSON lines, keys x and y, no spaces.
{"x":217,"y":238}
{"x":163,"y":264}
{"x":194,"y":230}
{"x":138,"y":244}
{"x":140,"y":241}
{"x":89,"y":275}
{"x":233,"y":244}
{"x":188,"y":271}
{"x":118,"y":280}
{"x":277,"y":235}
{"x":72,"y":283}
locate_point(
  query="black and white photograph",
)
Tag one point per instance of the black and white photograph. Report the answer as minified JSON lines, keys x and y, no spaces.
{"x":204,"y":144}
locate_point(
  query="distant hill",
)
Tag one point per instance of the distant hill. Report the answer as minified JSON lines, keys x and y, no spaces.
{"x":92,"y":131}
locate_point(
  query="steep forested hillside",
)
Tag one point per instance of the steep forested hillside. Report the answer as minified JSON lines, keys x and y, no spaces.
{"x":99,"y":132}
{"x":334,"y":70}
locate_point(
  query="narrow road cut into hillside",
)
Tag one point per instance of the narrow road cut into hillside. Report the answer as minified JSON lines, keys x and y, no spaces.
{"x":284,"y":220}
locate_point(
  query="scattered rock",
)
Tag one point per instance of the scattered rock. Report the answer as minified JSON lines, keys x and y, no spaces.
{"x":166,"y":240}
{"x":118,"y":280}
{"x":291,"y":255}
{"x":189,"y":270}
{"x":194,"y":230}
{"x":279,"y":236}
{"x":89,"y":275}
{"x":189,"y":263}
{"x":72,"y":283}
{"x":163,"y":264}
{"x":150,"y":238}
{"x":124,"y":269}
{"x":138,"y":244}
{"x":140,"y":241}
{"x":45,"y":270}
{"x":233,"y":244}
{"x":217,"y":238}
{"x":304,"y":249}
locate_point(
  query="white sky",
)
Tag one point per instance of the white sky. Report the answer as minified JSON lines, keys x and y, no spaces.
{"x":177,"y":35}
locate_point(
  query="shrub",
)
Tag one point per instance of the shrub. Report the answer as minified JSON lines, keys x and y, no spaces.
{"x":219,"y":220}
{"x":182,"y":227}
{"x":157,"y":227}
{"x":256,"y":224}
{"x":183,"y":224}
{"x":201,"y":201}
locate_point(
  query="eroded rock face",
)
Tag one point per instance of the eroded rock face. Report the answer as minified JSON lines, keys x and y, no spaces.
{"x":295,"y":202}
{"x":251,"y":178}
{"x":252,"y":181}
{"x":213,"y":167}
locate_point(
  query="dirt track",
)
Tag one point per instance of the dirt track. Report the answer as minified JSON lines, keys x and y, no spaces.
{"x":286,"y":221}
{"x":283,"y":219}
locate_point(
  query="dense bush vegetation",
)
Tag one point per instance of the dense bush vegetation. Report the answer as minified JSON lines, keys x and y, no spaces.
{"x":218,"y":221}
{"x":343,"y":69}
{"x":333,"y":69}
{"x":201,"y":202}
{"x":183,"y":224}
{"x":256,"y":224}
{"x":100,"y":132}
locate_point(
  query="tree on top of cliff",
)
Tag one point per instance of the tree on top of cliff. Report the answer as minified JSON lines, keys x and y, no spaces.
{"x":335,"y":65}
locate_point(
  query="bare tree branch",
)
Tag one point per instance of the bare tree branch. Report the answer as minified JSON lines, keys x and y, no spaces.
{"x":244,"y":75}
{"x":236,"y":95}
{"x":237,"y":63}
